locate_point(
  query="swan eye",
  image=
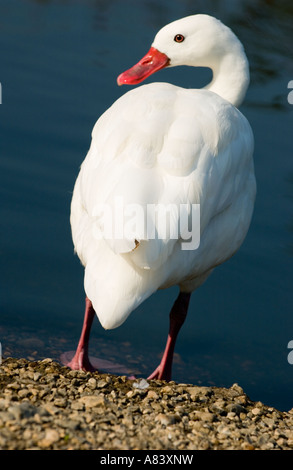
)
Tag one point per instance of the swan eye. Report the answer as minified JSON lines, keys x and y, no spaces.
{"x":179,"y":38}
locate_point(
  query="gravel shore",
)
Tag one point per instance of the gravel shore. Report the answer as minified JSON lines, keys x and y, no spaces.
{"x":46,"y":406}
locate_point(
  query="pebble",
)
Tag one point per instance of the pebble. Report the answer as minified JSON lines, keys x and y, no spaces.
{"x":91,"y":401}
{"x":51,"y":436}
{"x":46,"y":406}
{"x":141,"y":385}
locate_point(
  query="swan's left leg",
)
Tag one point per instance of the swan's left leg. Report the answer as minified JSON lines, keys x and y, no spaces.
{"x":177,"y":317}
{"x":80,"y":359}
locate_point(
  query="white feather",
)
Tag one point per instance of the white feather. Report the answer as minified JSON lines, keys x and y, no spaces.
{"x":161,"y":144}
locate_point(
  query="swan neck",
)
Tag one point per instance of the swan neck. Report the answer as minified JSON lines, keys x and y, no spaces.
{"x":231,"y":77}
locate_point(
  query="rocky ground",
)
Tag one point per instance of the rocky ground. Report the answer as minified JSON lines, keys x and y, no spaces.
{"x":46,"y":406}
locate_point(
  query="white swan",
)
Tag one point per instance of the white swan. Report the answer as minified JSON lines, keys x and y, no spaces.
{"x":162,"y":144}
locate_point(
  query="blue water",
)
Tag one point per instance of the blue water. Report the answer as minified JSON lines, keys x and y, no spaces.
{"x":59,"y":62}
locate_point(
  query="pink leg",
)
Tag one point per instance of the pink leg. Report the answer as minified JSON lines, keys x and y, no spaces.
{"x":81,"y":359}
{"x":177,"y":317}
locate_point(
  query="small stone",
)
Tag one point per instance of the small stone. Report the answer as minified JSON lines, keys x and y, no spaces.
{"x":270,"y":422}
{"x":256,"y":411}
{"x":204,"y":444}
{"x":36,"y":376}
{"x":47,"y":360}
{"x":167,"y":389}
{"x":290,"y":442}
{"x":3,"y":404}
{"x":24,"y":392}
{"x":72,"y":424}
{"x":236,"y":408}
{"x":27,"y":434}
{"x":14,"y":386}
{"x":247,"y":446}
{"x":51,"y":409}
{"x":101,"y":384}
{"x":141,"y":385}
{"x":152,"y":395}
{"x":51,"y":436}
{"x":60,"y":402}
{"x":76,"y":405}
{"x":205,"y":416}
{"x":6,"y":416}
{"x":91,"y":401}
{"x":92,"y":383}
{"x":237,"y":389}
{"x":164,"y":419}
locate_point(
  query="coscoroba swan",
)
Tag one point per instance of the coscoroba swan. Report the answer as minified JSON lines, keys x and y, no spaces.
{"x":161,"y":145}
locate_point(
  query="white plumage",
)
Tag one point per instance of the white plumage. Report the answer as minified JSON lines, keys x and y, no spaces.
{"x":162,"y":144}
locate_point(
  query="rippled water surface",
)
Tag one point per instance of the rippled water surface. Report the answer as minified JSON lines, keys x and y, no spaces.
{"x":59,"y":63}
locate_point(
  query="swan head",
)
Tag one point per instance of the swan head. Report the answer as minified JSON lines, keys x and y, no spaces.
{"x":199,"y":41}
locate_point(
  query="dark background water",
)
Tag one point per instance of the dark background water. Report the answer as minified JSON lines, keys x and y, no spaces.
{"x":58,"y":66}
